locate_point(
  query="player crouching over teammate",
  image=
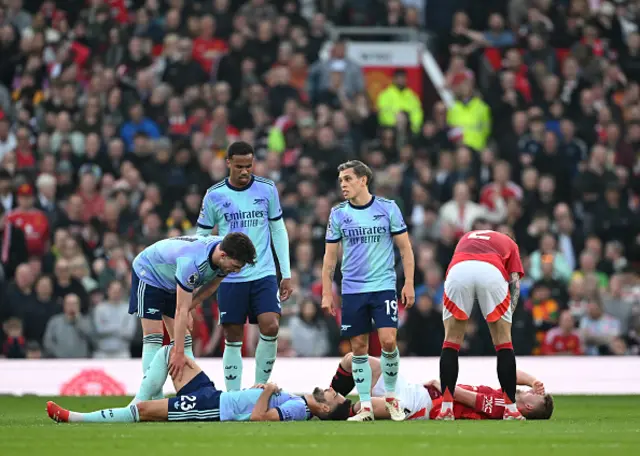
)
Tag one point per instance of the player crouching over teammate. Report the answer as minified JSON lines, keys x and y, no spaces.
{"x":199,"y":400}
{"x":423,"y":401}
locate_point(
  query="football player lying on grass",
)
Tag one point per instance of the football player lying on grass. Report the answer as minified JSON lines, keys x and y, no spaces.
{"x":199,"y":400}
{"x":423,"y":401}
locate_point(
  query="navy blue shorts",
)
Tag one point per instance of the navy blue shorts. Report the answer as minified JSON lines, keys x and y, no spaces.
{"x":360,"y":310}
{"x":241,"y":300}
{"x":147,"y":301}
{"x":198,"y":400}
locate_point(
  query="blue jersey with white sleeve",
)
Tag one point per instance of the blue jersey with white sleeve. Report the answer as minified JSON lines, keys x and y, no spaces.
{"x":247,"y":210}
{"x":183,"y":261}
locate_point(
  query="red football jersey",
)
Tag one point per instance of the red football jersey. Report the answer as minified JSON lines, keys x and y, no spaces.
{"x":35,"y":225}
{"x":489,"y":405}
{"x":555,"y":341}
{"x":491,"y":247}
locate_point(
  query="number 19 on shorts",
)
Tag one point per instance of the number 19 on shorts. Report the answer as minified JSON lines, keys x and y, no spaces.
{"x":392,"y":308}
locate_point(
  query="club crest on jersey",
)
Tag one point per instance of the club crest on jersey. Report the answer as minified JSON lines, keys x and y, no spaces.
{"x":192,"y":279}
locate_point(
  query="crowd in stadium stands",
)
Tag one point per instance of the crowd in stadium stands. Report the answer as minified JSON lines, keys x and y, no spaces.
{"x":115,"y":116}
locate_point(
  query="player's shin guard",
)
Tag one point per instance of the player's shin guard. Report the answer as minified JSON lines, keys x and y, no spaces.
{"x":342,"y":381}
{"x":507,"y":373}
{"x":362,"y":377}
{"x":448,"y":373}
{"x":155,"y":377}
{"x":390,"y":363}
{"x":266,"y":352}
{"x":151,"y":343}
{"x":127,"y":414}
{"x":232,"y":364}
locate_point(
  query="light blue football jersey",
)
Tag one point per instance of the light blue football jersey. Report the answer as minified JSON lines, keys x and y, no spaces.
{"x":247,"y":210}
{"x":183,"y":260}
{"x":366,"y":233}
{"x":238,"y":405}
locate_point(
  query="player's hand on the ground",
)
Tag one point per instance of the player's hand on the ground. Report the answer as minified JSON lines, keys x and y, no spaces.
{"x":436,"y":384}
{"x":538,"y":387}
{"x":177,"y":361}
{"x":408,"y":296}
{"x":327,"y":305}
{"x":285,"y":289}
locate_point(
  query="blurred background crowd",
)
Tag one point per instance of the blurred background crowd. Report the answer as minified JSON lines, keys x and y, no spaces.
{"x":115,"y":116}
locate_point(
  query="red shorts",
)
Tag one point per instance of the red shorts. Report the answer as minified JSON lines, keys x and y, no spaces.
{"x":471,"y":280}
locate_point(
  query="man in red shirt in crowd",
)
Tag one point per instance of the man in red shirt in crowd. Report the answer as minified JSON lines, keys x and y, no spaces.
{"x":207,"y":49}
{"x":32,"y":221}
{"x":501,"y":186}
{"x":564,"y":339}
{"x":486,"y":267}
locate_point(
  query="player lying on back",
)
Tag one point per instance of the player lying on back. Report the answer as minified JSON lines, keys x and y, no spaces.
{"x":199,"y":400}
{"x":423,"y":401}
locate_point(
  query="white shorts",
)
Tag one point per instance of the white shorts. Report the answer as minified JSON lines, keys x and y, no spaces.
{"x":413,"y":398}
{"x":471,"y":280}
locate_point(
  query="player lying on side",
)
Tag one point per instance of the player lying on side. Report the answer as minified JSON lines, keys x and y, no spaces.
{"x":424,"y":401}
{"x":199,"y":400}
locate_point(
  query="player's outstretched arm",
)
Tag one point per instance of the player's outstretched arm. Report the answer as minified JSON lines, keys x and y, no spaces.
{"x":184,"y":300}
{"x":329,"y":263}
{"x":465,"y":397}
{"x":205,"y":292}
{"x":514,"y":289}
{"x":261,"y":411}
{"x":525,"y":379}
{"x":408,"y":264}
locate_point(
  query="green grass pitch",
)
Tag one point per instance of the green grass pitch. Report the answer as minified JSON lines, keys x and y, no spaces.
{"x":582,"y":425}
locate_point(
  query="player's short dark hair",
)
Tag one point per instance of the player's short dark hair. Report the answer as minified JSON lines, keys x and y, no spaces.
{"x":239,"y":148}
{"x":239,"y":247}
{"x":544,"y":412}
{"x":359,"y":169}
{"x":340,"y":413}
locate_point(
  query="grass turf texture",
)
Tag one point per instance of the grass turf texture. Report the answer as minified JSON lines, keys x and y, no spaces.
{"x":582,"y":425}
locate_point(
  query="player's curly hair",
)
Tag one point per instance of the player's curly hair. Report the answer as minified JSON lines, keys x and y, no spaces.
{"x":544,"y":412}
{"x":239,"y":247}
{"x":340,"y":413}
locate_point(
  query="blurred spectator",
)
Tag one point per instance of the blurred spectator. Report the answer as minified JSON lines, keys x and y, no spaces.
{"x":68,"y":334}
{"x":309,"y":331}
{"x":32,"y":221}
{"x":398,"y":98}
{"x":320,"y":73}
{"x":13,"y":247}
{"x":563,"y":339}
{"x":114,"y":327}
{"x":598,"y":328}
{"x":423,"y":330}
{"x":470,"y":113}
{"x":14,"y":345}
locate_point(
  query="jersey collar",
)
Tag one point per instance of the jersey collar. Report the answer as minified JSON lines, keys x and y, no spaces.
{"x":210,"y":257}
{"x":306,"y":404}
{"x":239,"y":189}
{"x":373,"y":198}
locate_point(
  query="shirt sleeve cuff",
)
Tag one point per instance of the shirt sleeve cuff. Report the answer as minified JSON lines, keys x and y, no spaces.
{"x":275,"y":219}
{"x":395,"y":233}
{"x":185,"y":288}
{"x":206,"y":227}
{"x":332,"y":241}
{"x":280,"y":413}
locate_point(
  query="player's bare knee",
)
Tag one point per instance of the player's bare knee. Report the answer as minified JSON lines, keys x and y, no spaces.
{"x":270,"y":326}
{"x":454,"y":330}
{"x":151,"y":326}
{"x":345,"y":362}
{"x":360,"y":345}
{"x":233,"y":333}
{"x":388,"y":343}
